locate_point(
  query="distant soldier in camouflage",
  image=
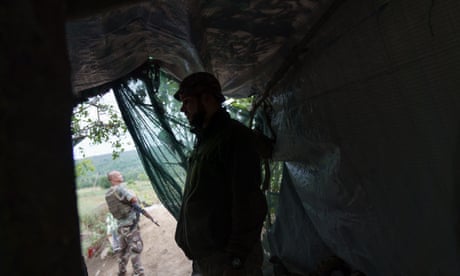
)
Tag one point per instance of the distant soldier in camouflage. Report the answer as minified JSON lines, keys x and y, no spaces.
{"x":123,"y":206}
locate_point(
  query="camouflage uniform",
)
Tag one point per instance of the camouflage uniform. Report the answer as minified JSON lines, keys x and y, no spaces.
{"x":131,"y":244}
{"x":131,"y":247}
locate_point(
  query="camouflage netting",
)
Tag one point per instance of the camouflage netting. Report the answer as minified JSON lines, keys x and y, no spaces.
{"x":242,"y":42}
{"x":365,"y":108}
{"x":160,"y":131}
{"x":161,"y":139}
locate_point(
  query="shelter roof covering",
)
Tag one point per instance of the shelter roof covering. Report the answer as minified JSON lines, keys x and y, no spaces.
{"x":244,"y":43}
{"x":358,"y":120}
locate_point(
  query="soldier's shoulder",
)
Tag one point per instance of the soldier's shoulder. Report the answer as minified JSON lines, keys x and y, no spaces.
{"x":110,"y":190}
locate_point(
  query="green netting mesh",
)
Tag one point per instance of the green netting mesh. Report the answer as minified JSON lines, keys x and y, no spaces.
{"x":160,"y":132}
{"x":160,"y":135}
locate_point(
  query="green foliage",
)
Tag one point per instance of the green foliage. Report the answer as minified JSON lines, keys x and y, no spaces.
{"x":92,"y":210}
{"x":142,"y":177}
{"x":276,"y":169}
{"x":83,"y":167}
{"x":168,"y":87}
{"x":93,"y":228}
{"x":239,"y":109}
{"x":243,"y":104}
{"x":99,"y":122}
{"x":272,"y":195}
{"x":103,"y":182}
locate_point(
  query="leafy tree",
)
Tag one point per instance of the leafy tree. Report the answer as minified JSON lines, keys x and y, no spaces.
{"x":83,"y":167}
{"x":100,"y":122}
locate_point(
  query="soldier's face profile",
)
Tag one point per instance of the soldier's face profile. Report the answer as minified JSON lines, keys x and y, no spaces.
{"x":117,"y":177}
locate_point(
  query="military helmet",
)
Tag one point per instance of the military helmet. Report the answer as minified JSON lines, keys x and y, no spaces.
{"x":200,"y":83}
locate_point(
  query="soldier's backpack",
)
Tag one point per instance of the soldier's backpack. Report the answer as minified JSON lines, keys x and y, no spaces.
{"x":118,"y":207}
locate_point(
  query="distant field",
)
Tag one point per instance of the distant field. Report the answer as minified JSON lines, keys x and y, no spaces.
{"x":89,"y":199}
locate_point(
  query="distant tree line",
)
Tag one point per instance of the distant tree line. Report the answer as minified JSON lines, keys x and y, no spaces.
{"x":92,"y":171}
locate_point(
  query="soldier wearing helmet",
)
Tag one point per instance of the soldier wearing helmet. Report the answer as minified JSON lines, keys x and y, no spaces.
{"x":223,"y":207}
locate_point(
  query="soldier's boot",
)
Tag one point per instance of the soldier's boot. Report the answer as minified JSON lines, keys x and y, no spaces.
{"x":138,"y":268}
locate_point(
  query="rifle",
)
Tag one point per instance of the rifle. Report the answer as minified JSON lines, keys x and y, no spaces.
{"x":140,"y":210}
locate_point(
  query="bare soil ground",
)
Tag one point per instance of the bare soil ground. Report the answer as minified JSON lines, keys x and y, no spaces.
{"x":160,"y":257}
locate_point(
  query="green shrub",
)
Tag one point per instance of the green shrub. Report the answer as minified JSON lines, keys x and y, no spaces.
{"x":93,"y":228}
{"x":103,"y":182}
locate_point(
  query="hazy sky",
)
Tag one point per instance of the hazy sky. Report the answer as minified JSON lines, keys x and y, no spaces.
{"x":93,"y":150}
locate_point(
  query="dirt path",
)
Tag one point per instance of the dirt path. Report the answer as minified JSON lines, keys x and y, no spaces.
{"x":161,"y":256}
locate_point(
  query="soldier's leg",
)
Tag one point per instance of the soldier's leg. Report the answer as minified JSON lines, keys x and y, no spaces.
{"x":136,"y":247}
{"x":124,"y":253}
{"x":137,"y":265}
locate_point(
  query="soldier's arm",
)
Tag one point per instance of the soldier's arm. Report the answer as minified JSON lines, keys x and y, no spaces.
{"x":139,"y":209}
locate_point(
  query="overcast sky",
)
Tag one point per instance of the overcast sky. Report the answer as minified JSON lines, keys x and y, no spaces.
{"x":106,"y":148}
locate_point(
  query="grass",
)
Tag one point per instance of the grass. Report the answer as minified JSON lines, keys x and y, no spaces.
{"x":89,"y":200}
{"x":92,"y":210}
{"x":144,"y":192}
